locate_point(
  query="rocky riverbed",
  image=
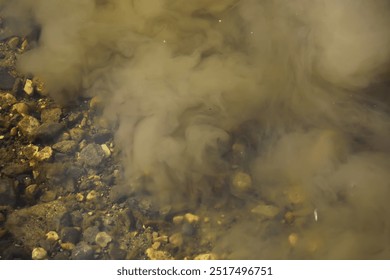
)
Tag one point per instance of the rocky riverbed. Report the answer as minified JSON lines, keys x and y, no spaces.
{"x":59,"y":167}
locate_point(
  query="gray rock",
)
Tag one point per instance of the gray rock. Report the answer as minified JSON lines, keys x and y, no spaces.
{"x":92,"y":155}
{"x":48,"y":131}
{"x":66,"y":147}
{"x":28,"y":126}
{"x":7,"y":81}
{"x":82,"y":251}
{"x":7,"y":193}
{"x":51,"y":115}
{"x":70,"y":234}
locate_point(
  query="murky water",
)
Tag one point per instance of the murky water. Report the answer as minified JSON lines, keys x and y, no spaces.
{"x":271,"y":118}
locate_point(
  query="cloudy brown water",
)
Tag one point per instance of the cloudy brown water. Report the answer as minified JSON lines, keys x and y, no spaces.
{"x":271,"y":118}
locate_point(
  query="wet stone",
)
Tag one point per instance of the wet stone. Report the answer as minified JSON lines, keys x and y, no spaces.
{"x":52,"y":236}
{"x":7,"y":193}
{"x":90,"y":233}
{"x":39,"y":254}
{"x":29,"y":151}
{"x":66,"y":147}
{"x":102,"y":136}
{"x":7,"y":100}
{"x":70,"y":235}
{"x":28,"y":87}
{"x":28,"y":126}
{"x":7,"y":81}
{"x":32,"y":223}
{"x":51,"y":115}
{"x":48,"y":131}
{"x":76,"y":134}
{"x":21,"y":108}
{"x":43,"y":154}
{"x":82,"y":251}
{"x":15,"y":169}
{"x":92,"y":155}
{"x":102,"y":239}
{"x":267,"y":211}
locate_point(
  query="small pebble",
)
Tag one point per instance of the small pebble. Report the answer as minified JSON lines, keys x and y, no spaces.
{"x":79,"y":197}
{"x":39,"y":254}
{"x":102,"y":239}
{"x":67,"y":246}
{"x":28,"y":87}
{"x":191,"y":218}
{"x":177,"y":220}
{"x":106,"y":150}
{"x":52,"y":236}
{"x":268,"y":211}
{"x":91,"y":195}
{"x":43,"y":154}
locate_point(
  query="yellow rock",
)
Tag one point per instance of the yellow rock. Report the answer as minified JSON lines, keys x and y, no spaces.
{"x":39,"y":254}
{"x":191,"y":218}
{"x":267,"y":211}
{"x":206,"y":257}
{"x":157,"y":254}
{"x":52,"y":236}
{"x":67,"y":246}
{"x":28,"y":87}
{"x":177,"y":220}
{"x":92,"y":195}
